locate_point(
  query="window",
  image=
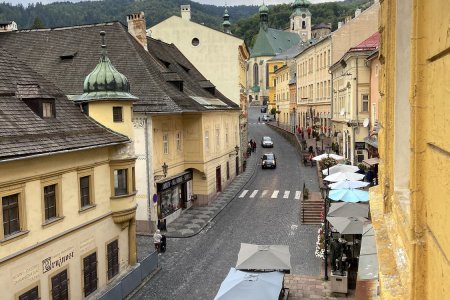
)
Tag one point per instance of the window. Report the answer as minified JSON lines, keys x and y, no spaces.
{"x":10,"y":208}
{"x":365,"y":103}
{"x":85,"y":195}
{"x":133,"y":178}
{"x":32,"y":294}
{"x":226,"y":136}
{"x":47,"y":110}
{"x":178,"y":137}
{"x":207,"y":140}
{"x":90,"y":274}
{"x":195,"y":42}
{"x":166,"y":143}
{"x":120,"y":182}
{"x":112,"y":252}
{"x":228,"y":170}
{"x":255,"y":74}
{"x":50,"y":202}
{"x":217,"y":137}
{"x":117,"y":114}
{"x":60,"y":287}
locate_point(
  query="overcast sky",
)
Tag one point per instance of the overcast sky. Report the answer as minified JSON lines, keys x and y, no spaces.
{"x":213,"y":2}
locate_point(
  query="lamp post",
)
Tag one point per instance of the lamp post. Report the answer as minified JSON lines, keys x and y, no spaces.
{"x":164,"y":169}
{"x":325,"y":254}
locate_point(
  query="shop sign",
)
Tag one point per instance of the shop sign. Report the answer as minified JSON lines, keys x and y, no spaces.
{"x":360,"y":145}
{"x":162,"y":186}
{"x":57,"y":260}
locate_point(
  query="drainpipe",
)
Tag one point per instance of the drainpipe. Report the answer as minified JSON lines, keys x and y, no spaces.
{"x":147,"y":169}
{"x":357,"y":108}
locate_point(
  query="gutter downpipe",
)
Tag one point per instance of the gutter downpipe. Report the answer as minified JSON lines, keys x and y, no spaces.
{"x":357,"y":119}
{"x":147,"y":168}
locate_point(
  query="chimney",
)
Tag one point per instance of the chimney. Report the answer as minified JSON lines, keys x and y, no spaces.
{"x":8,"y":26}
{"x":339,"y":25}
{"x":136,"y":27}
{"x":357,"y":12}
{"x":186,"y":12}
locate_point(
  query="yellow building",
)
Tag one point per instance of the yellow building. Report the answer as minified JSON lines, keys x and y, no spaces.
{"x":66,"y":186}
{"x":351,"y":90}
{"x":273,"y":65}
{"x":313,"y":85}
{"x":282,"y":99}
{"x":410,"y":206}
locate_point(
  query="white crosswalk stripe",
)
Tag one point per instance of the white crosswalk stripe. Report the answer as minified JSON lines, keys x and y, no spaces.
{"x":242,"y":195}
{"x":286,"y":194}
{"x":264,"y":193}
{"x":254,"y":194}
{"x":275,"y":194}
{"x":297,"y":195}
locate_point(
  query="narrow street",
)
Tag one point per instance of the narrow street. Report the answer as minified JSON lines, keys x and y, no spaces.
{"x":193,"y":268}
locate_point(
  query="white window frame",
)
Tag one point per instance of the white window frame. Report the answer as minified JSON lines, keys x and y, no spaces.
{"x":165,"y":139}
{"x":178,"y":139}
{"x":364,"y":101}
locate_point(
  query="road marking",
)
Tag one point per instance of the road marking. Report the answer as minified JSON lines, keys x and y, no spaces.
{"x":286,"y":194}
{"x":297,"y":195}
{"x":264,"y":193}
{"x":242,"y":195}
{"x":275,"y":194}
{"x":254,"y":194}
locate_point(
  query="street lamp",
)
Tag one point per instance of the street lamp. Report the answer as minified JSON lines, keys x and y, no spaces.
{"x":325,"y":254}
{"x":236,"y":149}
{"x":164,"y":169}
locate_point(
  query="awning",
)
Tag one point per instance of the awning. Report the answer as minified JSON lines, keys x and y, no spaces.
{"x":371,"y":161}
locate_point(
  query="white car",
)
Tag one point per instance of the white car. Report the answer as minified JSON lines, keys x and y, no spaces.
{"x":266,"y":118}
{"x":266,"y":142}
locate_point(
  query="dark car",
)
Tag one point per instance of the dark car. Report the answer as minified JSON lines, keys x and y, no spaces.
{"x":263,"y":110}
{"x":269,"y":161}
{"x":266,"y":142}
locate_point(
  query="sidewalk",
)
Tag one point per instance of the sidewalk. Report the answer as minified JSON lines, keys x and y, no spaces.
{"x":193,"y":220}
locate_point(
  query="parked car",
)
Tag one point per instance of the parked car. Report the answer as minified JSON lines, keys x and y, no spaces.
{"x":266,"y":142}
{"x":263,"y":109}
{"x":269,"y":160}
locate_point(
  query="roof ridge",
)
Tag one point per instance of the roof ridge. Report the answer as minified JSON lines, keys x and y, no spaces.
{"x":70,"y":27}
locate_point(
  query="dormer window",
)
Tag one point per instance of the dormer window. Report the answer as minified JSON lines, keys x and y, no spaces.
{"x":47,"y":110}
{"x":178,"y":85}
{"x":44,"y":108}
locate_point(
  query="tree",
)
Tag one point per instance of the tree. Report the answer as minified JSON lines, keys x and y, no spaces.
{"x":37,"y":23}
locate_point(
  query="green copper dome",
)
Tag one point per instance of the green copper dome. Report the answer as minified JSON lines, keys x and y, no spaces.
{"x":263,"y":9}
{"x":105,"y":82}
{"x":225,"y":14}
{"x":300,"y":4}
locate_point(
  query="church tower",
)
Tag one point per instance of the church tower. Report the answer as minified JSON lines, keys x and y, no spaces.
{"x":226,"y":22}
{"x":301,"y":19}
{"x":264,"y":17}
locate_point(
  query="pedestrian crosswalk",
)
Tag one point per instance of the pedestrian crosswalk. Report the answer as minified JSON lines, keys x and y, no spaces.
{"x":275,"y":194}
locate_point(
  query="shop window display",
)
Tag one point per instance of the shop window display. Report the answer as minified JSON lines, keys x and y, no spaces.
{"x":170,"y":201}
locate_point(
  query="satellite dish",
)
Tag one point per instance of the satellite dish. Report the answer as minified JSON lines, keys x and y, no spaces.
{"x":342,"y":112}
{"x":366,"y":122}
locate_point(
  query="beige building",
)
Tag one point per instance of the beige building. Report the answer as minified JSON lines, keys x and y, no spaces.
{"x":219,"y":56}
{"x":66,"y":186}
{"x":354,"y":31}
{"x":313,"y":86}
{"x":282,"y":99}
{"x":351,"y":103}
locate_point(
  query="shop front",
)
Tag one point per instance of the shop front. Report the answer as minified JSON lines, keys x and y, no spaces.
{"x":174,"y":195}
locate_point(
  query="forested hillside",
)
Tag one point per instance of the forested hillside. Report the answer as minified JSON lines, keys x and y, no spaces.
{"x":244,"y":19}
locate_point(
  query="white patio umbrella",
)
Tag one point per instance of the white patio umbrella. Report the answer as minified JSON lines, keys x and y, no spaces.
{"x":326,"y":155}
{"x":340,"y":168}
{"x":264,"y":257}
{"x":250,"y":286}
{"x":349,"y":195}
{"x":348,"y":225}
{"x":348,"y":184}
{"x":340,"y":176}
{"x":345,"y":209}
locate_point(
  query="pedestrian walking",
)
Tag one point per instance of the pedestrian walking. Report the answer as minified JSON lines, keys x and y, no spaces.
{"x":157,"y":240}
{"x":259,"y":119}
{"x":254,"y":146}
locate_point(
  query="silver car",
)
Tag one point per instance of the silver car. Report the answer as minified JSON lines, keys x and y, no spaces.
{"x":266,"y":142}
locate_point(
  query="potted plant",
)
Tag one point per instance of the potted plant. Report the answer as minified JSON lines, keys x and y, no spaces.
{"x":327,"y":162}
{"x":362,"y":168}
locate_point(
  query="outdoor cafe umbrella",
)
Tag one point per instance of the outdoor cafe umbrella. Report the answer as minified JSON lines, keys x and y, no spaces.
{"x":348,"y":184}
{"x":250,"y":286}
{"x":345,"y":209}
{"x":348,"y":225}
{"x":264,"y":257}
{"x":340,"y":168}
{"x":326,"y":155}
{"x":340,"y":176}
{"x":349,"y":195}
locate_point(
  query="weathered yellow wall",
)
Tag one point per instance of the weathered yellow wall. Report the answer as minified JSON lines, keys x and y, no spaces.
{"x":282,"y":94}
{"x":272,"y":89}
{"x":102,"y":112}
{"x":412,"y":225}
{"x":215,"y":51}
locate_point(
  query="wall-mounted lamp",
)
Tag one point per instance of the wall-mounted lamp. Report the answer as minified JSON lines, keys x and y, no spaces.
{"x":236,"y":149}
{"x":164,"y":169}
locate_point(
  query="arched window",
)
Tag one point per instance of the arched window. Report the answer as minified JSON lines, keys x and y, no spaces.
{"x":303,"y":24}
{"x":255,"y":74}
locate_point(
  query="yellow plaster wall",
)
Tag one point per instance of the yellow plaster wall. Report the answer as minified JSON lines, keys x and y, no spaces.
{"x":282,"y":94}
{"x":412,"y":236}
{"x":215,"y":51}
{"x":102,"y":112}
{"x":272,"y":89}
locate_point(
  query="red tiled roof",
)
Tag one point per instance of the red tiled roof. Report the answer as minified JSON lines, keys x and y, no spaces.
{"x":370,"y":43}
